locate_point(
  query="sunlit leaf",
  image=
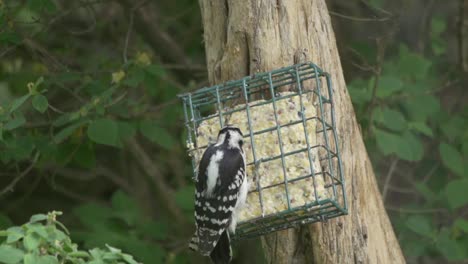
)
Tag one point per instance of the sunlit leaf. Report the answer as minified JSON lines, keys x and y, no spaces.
{"x":31,"y":241}
{"x":37,"y":218}
{"x":10,"y":255}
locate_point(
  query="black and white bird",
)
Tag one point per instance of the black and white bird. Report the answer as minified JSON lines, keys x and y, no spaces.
{"x":221,"y":190}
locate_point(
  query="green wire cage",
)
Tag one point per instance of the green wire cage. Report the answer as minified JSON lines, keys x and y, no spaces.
{"x":293,"y":160}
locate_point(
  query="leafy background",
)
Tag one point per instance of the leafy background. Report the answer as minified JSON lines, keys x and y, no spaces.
{"x":90,"y":124}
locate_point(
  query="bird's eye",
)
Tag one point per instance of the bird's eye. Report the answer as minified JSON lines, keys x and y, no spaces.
{"x":241,"y":142}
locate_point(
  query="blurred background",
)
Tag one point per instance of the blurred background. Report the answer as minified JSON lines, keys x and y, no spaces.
{"x":90,"y":124}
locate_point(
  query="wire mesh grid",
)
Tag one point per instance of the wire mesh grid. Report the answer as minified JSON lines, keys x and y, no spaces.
{"x":300,"y":84}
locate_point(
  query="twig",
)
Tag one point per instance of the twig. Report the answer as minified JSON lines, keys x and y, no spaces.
{"x":400,"y":189}
{"x":146,"y":21}
{"x":380,"y":56}
{"x":377,"y":8}
{"x":359,"y":19}
{"x":416,"y":211}
{"x":389,"y":178}
{"x":127,"y":37}
{"x":12,"y":184}
{"x":430,"y":173}
{"x":55,"y":109}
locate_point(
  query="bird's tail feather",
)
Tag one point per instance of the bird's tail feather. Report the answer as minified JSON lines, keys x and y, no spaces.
{"x":193,"y":245}
{"x":222,"y":253}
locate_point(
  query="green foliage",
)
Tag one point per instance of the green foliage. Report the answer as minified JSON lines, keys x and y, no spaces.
{"x":122,"y":225}
{"x":44,"y":240}
{"x":408,"y":123}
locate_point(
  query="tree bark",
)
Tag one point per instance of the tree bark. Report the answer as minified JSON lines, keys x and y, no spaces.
{"x":244,"y":37}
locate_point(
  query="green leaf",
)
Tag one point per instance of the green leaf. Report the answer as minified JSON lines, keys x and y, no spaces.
{"x":18,"y":102}
{"x":448,"y":246}
{"x":40,"y":103}
{"x":36,"y":259}
{"x":461,"y":224}
{"x":451,"y":158}
{"x":15,"y":233}
{"x":129,"y":259}
{"x":412,"y":65}
{"x":390,"y":118}
{"x":453,"y":128}
{"x":38,"y":229}
{"x":157,"y":134}
{"x":421,"y":127}
{"x":135,"y":76}
{"x":386,"y":142}
{"x":156,"y":70}
{"x":31,"y":241}
{"x":424,"y":189}
{"x":10,"y":255}
{"x":420,"y":225}
{"x":16,"y":122}
{"x":37,"y":218}
{"x":388,"y":85}
{"x":93,"y":216}
{"x":410,"y":147}
{"x":67,"y":131}
{"x":456,"y":193}
{"x":422,"y":107}
{"x":126,"y":207}
{"x":104,"y":131}
{"x":360,"y":95}
{"x":42,"y":5}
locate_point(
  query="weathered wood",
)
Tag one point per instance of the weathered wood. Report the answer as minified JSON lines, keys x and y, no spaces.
{"x":245,"y":37}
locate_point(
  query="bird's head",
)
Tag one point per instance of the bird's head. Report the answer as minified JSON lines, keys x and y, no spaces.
{"x":231,"y":136}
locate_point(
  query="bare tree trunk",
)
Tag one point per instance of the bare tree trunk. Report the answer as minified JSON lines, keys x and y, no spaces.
{"x":245,"y":37}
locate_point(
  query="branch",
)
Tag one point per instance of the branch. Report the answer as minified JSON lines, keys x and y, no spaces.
{"x":12,"y":184}
{"x":147,"y":22}
{"x":389,"y":178}
{"x":359,"y":19}
{"x":149,"y":167}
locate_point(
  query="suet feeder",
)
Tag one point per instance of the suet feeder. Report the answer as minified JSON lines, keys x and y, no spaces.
{"x":291,"y":145}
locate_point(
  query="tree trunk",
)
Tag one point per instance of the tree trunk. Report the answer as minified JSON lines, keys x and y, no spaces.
{"x":245,"y":37}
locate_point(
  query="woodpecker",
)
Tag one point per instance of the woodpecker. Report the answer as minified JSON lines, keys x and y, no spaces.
{"x":221,"y":189}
